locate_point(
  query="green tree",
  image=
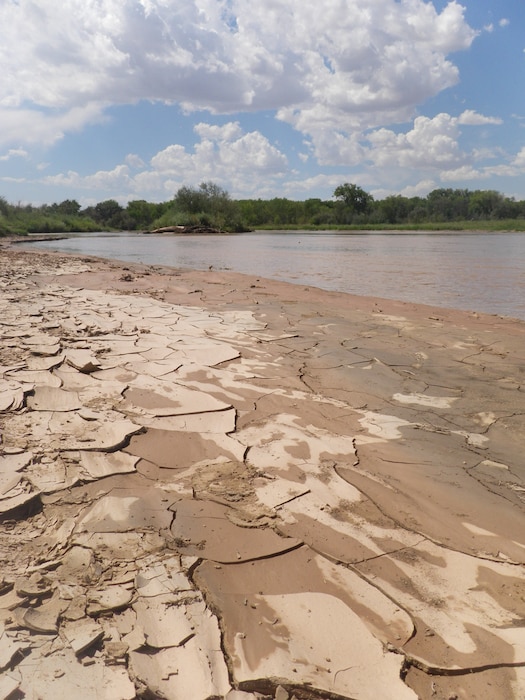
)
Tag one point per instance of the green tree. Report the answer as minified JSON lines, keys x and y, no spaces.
{"x":447,"y":204}
{"x":189,"y":200}
{"x":141,"y":214}
{"x":393,"y":209}
{"x":108,"y":212}
{"x":69,"y":206}
{"x":209,"y":204}
{"x":484,"y":203}
{"x":354,"y":198}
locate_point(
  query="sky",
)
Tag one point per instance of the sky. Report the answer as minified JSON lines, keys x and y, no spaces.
{"x":133,"y":99}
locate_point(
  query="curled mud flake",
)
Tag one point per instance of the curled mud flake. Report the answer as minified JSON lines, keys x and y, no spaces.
{"x":82,"y":635}
{"x":82,"y":360}
{"x":36,"y":586}
{"x":44,"y":617}
{"x":98,"y":465}
{"x":11,"y":647}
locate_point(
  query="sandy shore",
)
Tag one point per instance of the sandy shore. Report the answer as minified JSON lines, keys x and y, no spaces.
{"x":219,"y":486}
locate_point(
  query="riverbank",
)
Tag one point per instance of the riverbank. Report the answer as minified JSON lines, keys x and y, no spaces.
{"x":211,"y":481}
{"x":468,"y":226}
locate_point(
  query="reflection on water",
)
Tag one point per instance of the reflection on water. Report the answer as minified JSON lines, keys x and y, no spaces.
{"x":482,"y":271}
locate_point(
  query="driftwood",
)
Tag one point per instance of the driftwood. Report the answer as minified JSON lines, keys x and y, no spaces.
{"x":197,"y":228}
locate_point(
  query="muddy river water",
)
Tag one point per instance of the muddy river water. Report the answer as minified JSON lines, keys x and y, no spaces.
{"x":482,"y":272}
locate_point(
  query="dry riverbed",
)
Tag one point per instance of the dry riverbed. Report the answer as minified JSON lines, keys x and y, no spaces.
{"x":217,"y":486}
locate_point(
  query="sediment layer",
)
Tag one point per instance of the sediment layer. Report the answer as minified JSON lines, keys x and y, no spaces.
{"x":217,"y":486}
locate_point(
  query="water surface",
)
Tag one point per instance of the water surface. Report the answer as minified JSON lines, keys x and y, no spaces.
{"x":473,"y":271}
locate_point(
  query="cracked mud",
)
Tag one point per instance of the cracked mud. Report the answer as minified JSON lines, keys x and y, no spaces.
{"x":219,"y":487}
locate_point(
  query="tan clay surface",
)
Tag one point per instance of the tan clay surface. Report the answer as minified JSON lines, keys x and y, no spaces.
{"x":216,"y":486}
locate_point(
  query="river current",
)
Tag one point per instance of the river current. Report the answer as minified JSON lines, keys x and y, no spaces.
{"x":482,"y":272}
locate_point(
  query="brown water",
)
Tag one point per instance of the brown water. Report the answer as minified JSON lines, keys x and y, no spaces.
{"x":473,"y":271}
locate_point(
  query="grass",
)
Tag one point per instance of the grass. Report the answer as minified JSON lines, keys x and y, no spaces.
{"x":23,"y":224}
{"x":513,"y":225}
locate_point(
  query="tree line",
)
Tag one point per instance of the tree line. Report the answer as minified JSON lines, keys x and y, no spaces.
{"x":210,"y":205}
{"x":353,"y":207}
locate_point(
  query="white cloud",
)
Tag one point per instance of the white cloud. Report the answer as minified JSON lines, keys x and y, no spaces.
{"x":505,"y":170}
{"x":14,"y":153}
{"x":16,"y":180}
{"x":487,"y":153}
{"x":105,"y":180}
{"x":420,"y":189}
{"x":431,"y":146}
{"x":324,"y":66}
{"x":432,"y":143}
{"x":227,"y":132}
{"x":471,"y":118}
{"x":247,"y":162}
{"x":519,"y":159}
{"x":252,"y":153}
{"x":225,"y":154}
{"x":349,"y":76}
{"x":45,"y":127}
{"x":465,"y":172}
{"x":514,"y":167}
{"x":134,"y":161}
{"x":304,"y":186}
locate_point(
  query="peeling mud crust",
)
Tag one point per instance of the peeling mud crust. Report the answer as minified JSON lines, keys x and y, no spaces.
{"x":215,"y":486}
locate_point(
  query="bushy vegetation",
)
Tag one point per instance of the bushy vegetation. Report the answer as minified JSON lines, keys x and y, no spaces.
{"x":353,"y":208}
{"x":209,"y":205}
{"x":57,"y":218}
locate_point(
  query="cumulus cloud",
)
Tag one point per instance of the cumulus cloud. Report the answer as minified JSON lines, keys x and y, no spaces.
{"x":44,"y":127}
{"x":105,"y":180}
{"x":432,"y":143}
{"x":348,"y":76}
{"x":322,"y":66}
{"x":225,"y":154}
{"x":246,"y":162}
{"x":465,"y":172}
{"x":471,"y":118}
{"x":519,"y":159}
{"x":134,"y":161}
{"x":420,"y":189}
{"x":514,"y":166}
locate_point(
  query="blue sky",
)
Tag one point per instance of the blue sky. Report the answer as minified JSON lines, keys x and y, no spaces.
{"x":132,"y":99}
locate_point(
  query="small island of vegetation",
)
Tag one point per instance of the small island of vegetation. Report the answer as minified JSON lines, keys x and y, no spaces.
{"x":209,"y":207}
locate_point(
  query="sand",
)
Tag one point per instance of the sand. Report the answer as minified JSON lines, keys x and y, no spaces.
{"x":219,"y":486}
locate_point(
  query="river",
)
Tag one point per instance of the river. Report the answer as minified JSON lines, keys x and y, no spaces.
{"x":482,"y":272}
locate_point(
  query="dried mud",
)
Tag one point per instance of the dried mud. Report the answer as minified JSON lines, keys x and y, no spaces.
{"x":217,"y":486}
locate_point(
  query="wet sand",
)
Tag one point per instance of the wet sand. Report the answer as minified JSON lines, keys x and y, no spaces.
{"x":219,"y":486}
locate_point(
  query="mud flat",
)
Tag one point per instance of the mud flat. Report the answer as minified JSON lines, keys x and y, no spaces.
{"x":217,"y":486}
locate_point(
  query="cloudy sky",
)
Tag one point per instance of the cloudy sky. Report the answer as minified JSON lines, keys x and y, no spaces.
{"x":131,"y":99}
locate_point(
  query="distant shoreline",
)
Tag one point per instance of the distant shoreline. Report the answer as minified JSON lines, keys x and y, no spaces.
{"x":456,"y":227}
